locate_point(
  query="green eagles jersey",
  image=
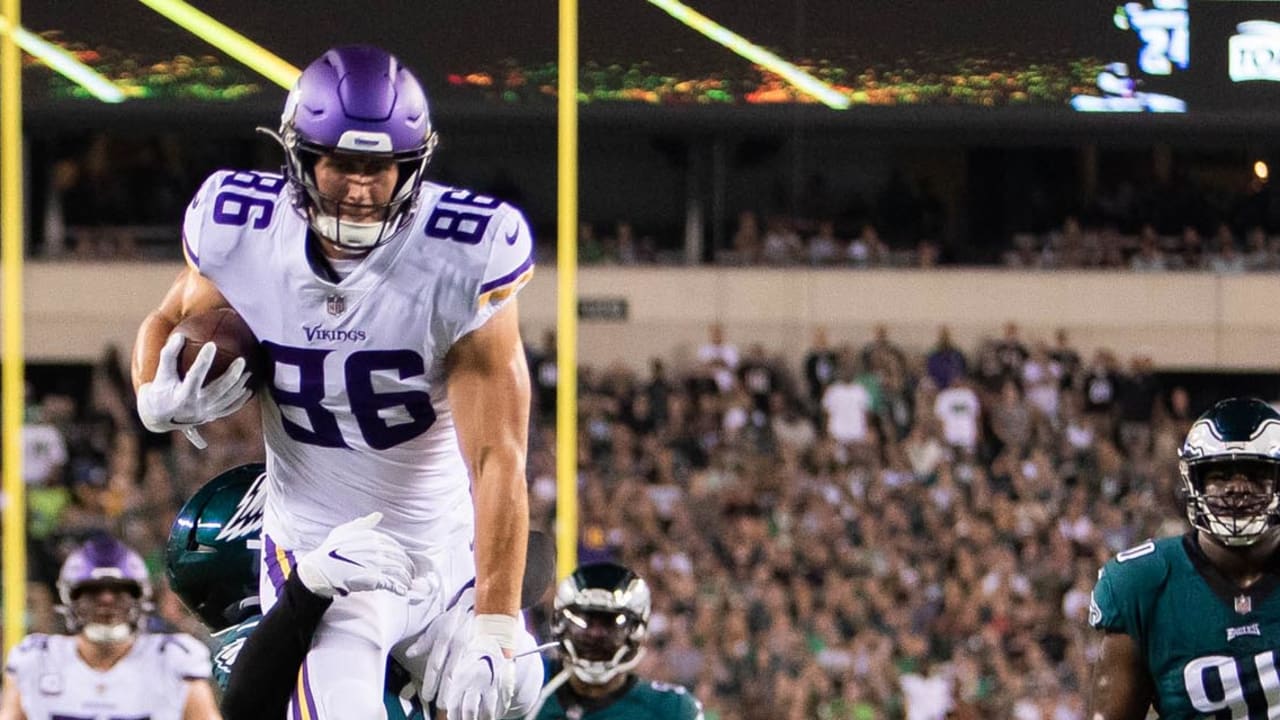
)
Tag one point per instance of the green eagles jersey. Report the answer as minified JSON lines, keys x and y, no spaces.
{"x":1209,"y":647}
{"x":400,"y":699}
{"x":639,"y":700}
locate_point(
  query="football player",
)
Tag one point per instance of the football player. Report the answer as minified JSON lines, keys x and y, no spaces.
{"x":109,"y":668}
{"x":600,"y":625}
{"x":212,"y":563}
{"x":1192,"y":623}
{"x":395,"y":380}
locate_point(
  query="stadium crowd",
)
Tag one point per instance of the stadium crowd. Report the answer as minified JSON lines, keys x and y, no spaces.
{"x":114,"y":196}
{"x":877,"y":533}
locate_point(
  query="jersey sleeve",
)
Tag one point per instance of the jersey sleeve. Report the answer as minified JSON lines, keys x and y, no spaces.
{"x":26,"y":655}
{"x":1125,"y":586}
{"x":1107,"y":609}
{"x":675,"y":701}
{"x":687,"y":707}
{"x":231,"y":207}
{"x":185,"y":657}
{"x":507,"y":269}
{"x":196,"y":221}
{"x":227,"y":646}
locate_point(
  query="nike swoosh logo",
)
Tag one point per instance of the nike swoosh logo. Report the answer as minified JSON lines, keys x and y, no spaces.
{"x":512,"y":237}
{"x":334,"y":554}
{"x":489,"y":661}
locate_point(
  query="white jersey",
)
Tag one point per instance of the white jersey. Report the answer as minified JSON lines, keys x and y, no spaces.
{"x":149,"y":683}
{"x":357,"y":417}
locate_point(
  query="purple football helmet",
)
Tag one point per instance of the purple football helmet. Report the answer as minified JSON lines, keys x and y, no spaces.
{"x":356,"y":100}
{"x":104,"y":589}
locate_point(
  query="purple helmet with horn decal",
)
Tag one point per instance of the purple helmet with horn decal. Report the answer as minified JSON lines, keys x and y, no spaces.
{"x":356,"y":101}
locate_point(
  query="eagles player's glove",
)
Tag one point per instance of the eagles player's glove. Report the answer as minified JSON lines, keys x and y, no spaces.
{"x":481,"y":681}
{"x":354,"y":558}
{"x":170,"y":403}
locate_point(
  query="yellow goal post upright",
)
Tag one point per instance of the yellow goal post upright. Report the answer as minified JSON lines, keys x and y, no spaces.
{"x":13,"y":544}
{"x":567,"y":293}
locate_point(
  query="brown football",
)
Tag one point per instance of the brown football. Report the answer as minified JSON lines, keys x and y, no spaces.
{"x":226,"y":329}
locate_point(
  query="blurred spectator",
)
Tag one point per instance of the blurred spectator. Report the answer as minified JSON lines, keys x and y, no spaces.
{"x":959,"y":410}
{"x":1258,"y":256}
{"x":1010,"y":350}
{"x":1066,"y":356}
{"x":590,"y":249}
{"x":1149,"y":257}
{"x":824,"y":247}
{"x":746,"y":239}
{"x":718,"y":349}
{"x":881,"y":352}
{"x":1192,"y":254}
{"x":542,"y":368}
{"x":847,"y":404}
{"x":945,"y":362}
{"x":781,"y":244}
{"x":820,"y":364}
{"x":1226,"y":258}
{"x":867,"y":249}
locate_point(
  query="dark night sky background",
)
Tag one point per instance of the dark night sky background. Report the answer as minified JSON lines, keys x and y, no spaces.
{"x":436,"y":38}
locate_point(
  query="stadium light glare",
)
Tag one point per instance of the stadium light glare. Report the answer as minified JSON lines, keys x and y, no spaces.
{"x":63,"y":62}
{"x":209,"y":29}
{"x":1261,"y":171}
{"x":716,"y":32}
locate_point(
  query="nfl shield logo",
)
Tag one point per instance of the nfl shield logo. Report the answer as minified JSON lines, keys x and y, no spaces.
{"x":1244,"y":604}
{"x":335,"y":304}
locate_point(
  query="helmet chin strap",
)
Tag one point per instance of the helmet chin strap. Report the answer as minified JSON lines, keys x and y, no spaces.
{"x":599,"y":672}
{"x":102,"y":634}
{"x":348,"y":235}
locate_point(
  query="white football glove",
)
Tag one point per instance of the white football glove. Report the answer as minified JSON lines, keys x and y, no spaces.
{"x":481,"y":680}
{"x":354,"y":558}
{"x":172,"y":403}
{"x":445,"y":636}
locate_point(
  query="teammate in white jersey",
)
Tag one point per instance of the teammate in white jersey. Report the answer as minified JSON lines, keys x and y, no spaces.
{"x":108,"y":669}
{"x":396,"y":376}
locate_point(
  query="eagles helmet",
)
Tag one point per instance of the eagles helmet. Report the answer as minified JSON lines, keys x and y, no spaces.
{"x":356,"y":100}
{"x":601,"y":621}
{"x":100,"y":565}
{"x":1238,"y":437}
{"x":211,"y":559}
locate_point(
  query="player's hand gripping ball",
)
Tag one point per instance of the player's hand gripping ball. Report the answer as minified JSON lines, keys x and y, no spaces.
{"x":186,"y":392}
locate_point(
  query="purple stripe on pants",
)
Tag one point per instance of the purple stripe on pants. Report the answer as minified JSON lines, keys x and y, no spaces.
{"x":306,"y":688}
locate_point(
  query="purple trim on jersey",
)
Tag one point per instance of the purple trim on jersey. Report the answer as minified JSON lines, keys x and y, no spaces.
{"x":195,"y":259}
{"x":275,"y":573}
{"x":528,"y":263}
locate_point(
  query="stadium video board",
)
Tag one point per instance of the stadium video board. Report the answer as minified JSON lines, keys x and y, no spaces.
{"x":1095,"y":56}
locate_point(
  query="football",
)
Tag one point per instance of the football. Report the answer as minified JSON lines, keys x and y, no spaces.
{"x":226,"y":329}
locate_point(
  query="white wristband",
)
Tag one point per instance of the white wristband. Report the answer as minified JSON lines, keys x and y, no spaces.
{"x":500,"y":627}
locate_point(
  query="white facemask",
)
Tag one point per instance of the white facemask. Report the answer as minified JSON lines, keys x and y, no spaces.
{"x":352,"y":234}
{"x":101,"y":634}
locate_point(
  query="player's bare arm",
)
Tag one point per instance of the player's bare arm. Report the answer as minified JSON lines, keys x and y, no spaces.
{"x":190,"y":294}
{"x":489,"y":393}
{"x":1121,"y":688}
{"x":201,"y":703}
{"x":11,"y":700}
